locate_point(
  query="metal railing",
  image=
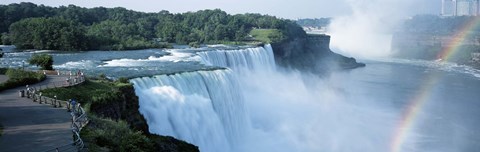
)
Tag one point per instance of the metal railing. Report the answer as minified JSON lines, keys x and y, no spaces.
{"x":79,"y":116}
{"x":79,"y":120}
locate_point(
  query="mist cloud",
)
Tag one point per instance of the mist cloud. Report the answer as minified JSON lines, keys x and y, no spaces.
{"x":367,"y":32}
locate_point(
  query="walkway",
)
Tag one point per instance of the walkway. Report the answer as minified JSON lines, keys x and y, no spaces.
{"x":30,"y":126}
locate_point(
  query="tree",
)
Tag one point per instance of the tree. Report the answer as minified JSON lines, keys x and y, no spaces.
{"x":48,"y":33}
{"x":5,"y":39}
{"x":45,"y":61}
{"x":31,"y":26}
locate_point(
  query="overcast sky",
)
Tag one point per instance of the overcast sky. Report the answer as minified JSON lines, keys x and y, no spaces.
{"x":291,"y":9}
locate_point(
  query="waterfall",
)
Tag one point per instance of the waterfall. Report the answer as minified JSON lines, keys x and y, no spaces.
{"x":259,"y":58}
{"x":205,"y":108}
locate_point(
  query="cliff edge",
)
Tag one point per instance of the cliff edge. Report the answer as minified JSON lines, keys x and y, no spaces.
{"x":312,"y":54}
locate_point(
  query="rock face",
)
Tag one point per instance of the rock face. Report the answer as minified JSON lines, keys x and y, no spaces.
{"x":123,"y":104}
{"x":430,"y":46}
{"x":311,"y":53}
{"x":125,"y":108}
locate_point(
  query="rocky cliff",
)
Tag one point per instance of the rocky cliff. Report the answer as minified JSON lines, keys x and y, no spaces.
{"x":122,"y":105}
{"x":311,"y":53}
{"x":429,"y":46}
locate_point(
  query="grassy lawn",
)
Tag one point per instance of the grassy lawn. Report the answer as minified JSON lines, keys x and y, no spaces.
{"x":84,"y":92}
{"x":267,"y":35}
{"x":18,"y":77}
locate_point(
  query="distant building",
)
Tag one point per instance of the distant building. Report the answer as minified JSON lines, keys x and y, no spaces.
{"x":448,"y":8}
{"x":460,"y":7}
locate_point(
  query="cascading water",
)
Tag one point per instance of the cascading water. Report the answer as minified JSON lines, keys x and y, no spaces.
{"x":203,"y":107}
{"x":259,"y":58}
{"x":252,"y":107}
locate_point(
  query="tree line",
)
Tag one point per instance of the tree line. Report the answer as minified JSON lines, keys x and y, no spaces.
{"x":31,"y":26}
{"x":433,"y":24}
{"x":315,"y":22}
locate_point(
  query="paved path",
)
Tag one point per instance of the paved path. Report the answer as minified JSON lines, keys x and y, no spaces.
{"x":29,"y":126}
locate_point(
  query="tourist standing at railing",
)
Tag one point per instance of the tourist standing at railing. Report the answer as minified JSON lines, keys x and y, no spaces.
{"x":72,"y":104}
{"x":28,"y":91}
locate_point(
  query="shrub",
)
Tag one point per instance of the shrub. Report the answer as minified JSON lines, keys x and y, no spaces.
{"x":123,"y":80}
{"x":19,"y":77}
{"x":194,"y":44}
{"x":115,"y":136}
{"x":3,"y":70}
{"x":45,"y":61}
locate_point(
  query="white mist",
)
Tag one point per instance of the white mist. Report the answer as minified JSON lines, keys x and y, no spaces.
{"x":367,"y":32}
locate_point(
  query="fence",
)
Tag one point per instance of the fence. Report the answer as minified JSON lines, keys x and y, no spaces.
{"x":79,"y":117}
{"x":35,"y":94}
{"x":79,"y":120}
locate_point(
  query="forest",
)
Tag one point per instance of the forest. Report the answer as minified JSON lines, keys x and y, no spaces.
{"x":69,"y":28}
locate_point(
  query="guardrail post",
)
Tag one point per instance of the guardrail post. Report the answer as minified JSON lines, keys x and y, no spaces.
{"x":54,"y":101}
{"x":40,"y":98}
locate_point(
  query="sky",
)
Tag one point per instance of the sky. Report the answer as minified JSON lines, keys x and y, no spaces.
{"x":289,"y":9}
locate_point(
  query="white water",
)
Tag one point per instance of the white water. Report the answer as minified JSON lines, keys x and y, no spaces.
{"x":259,"y":58}
{"x":257,"y":108}
{"x":204,"y":107}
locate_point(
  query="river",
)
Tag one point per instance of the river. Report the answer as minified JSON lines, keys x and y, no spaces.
{"x":392,"y":105}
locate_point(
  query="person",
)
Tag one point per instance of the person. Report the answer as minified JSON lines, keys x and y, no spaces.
{"x":28,"y":92}
{"x":72,"y":104}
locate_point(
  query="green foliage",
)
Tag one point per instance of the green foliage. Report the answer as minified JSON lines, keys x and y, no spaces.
{"x":48,"y":33}
{"x":84,"y":92}
{"x":123,"y":80}
{"x":45,"y":61}
{"x":172,"y":143}
{"x":17,"y":77}
{"x":267,"y":35}
{"x":3,"y":70}
{"x":5,"y":39}
{"x":108,"y":135}
{"x":114,"y":136}
{"x":102,"y":76}
{"x":76,"y":28}
{"x":108,"y":129}
{"x":194,"y":44}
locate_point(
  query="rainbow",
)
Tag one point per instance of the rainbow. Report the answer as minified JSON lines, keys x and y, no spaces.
{"x":407,"y":120}
{"x":454,"y":45}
